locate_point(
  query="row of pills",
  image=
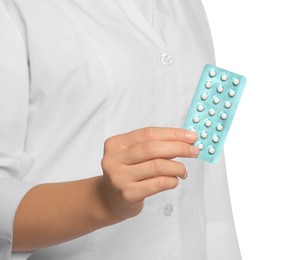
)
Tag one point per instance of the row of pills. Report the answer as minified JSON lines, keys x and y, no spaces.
{"x":211,"y":149}
{"x":224,"y":77}
{"x":216,"y":99}
{"x":208,"y":123}
{"x":201,"y":107}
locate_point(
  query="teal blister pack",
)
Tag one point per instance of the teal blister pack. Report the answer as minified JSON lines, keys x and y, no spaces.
{"x":212,"y":109}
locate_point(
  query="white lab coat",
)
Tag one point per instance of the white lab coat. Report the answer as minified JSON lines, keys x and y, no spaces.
{"x":74,"y":72}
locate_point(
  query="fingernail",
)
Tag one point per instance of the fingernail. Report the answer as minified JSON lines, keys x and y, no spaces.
{"x":191,"y":135}
{"x":194,"y":150}
{"x":186,"y":175}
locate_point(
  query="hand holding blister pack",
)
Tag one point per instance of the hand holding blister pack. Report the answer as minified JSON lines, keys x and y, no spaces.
{"x":212,"y":109}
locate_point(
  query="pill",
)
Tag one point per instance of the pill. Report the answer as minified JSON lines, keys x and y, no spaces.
{"x":231,"y":93}
{"x":216,"y":100}
{"x":208,"y":123}
{"x":211,"y":150}
{"x":215,"y":139}
{"x":223,"y":116}
{"x":212,"y":73}
{"x":219,"y":127}
{"x":235,"y":82}
{"x":200,"y":146}
{"x":212,"y":112}
{"x":227,"y":104}
{"x":204,"y":135}
{"x":196,"y":119}
{"x":224,"y":77}
{"x":220,"y":89}
{"x":208,"y":84}
{"x":200,"y":108}
{"x":204,"y":96}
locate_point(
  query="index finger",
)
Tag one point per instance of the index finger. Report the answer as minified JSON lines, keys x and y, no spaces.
{"x":157,"y":133}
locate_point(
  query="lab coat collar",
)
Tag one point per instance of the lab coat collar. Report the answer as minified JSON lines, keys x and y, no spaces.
{"x":139,"y":21}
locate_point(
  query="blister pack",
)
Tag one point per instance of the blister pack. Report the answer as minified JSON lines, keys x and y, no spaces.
{"x":212,"y":109}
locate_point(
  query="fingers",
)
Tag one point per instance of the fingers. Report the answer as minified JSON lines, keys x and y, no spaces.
{"x":154,"y":133}
{"x":156,"y":168}
{"x":153,"y":186}
{"x":139,"y":164}
{"x":157,"y":149}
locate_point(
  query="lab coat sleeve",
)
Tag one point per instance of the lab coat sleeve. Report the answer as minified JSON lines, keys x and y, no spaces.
{"x":14,"y":93}
{"x":222,"y":242}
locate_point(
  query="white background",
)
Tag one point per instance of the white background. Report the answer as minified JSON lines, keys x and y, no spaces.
{"x":254,"y":38}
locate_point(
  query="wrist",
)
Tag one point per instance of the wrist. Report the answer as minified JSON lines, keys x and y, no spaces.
{"x":102,"y":213}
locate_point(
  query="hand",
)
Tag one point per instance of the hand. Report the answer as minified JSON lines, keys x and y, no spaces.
{"x":139,"y":164}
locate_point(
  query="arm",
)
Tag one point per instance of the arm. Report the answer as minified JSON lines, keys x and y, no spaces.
{"x":57,"y":212}
{"x":136,"y":165}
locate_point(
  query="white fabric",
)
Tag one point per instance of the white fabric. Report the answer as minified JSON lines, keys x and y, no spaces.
{"x":74,"y":72}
